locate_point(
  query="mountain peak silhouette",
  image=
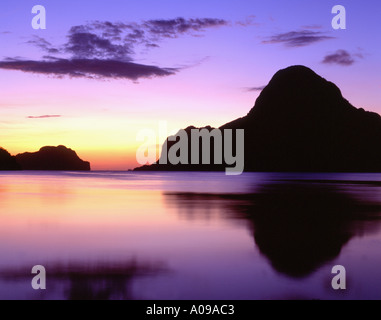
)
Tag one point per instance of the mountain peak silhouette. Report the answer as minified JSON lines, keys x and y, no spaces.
{"x":301,"y":122}
{"x":299,"y":91}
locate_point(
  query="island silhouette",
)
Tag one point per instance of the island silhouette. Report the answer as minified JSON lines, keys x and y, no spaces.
{"x":8,"y":162}
{"x":300,"y":123}
{"x":58,"y":158}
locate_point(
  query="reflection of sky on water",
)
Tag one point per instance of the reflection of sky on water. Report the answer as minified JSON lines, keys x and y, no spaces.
{"x":180,"y":236}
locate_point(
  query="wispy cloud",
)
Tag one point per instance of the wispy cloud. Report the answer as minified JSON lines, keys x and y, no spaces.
{"x":254,"y":89}
{"x":43,"y":44}
{"x":341,"y":57}
{"x":103,"y":49}
{"x":249,"y":21}
{"x":313,"y":27}
{"x":175,"y":27}
{"x":298,"y":38}
{"x":47,"y":116}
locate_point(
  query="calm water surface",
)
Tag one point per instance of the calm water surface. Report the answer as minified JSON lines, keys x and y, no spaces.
{"x":113,"y":235}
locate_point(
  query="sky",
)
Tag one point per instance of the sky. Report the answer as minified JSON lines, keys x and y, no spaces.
{"x":102,"y":71}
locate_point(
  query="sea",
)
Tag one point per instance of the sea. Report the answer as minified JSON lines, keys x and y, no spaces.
{"x":190,"y":235}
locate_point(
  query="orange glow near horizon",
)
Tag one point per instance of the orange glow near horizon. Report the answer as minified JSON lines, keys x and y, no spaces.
{"x":107,"y":142}
{"x":111,"y":146}
{"x":101,"y":158}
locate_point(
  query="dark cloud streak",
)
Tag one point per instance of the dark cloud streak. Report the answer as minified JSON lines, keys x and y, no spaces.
{"x":313,"y":27}
{"x":47,"y":116}
{"x":89,"y":68}
{"x":298,"y":38}
{"x":341,"y":57}
{"x":254,"y":89}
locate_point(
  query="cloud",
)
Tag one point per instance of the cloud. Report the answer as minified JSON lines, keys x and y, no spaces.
{"x":253,"y":89}
{"x":313,"y":27}
{"x":105,"y":39}
{"x":44,"y":116}
{"x":104,"y":49}
{"x":88,"y":68}
{"x":298,"y":38}
{"x":249,"y":21}
{"x":175,"y":27}
{"x":43,"y":44}
{"x":89,"y":45}
{"x":341,"y":57}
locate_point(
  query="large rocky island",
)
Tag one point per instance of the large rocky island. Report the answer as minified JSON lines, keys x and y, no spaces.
{"x":301,"y":122}
{"x":47,"y":158}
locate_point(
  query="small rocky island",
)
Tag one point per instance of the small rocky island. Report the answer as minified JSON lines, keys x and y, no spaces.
{"x":47,"y":158}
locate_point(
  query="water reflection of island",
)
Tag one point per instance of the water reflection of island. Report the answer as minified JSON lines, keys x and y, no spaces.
{"x":298,"y":226}
{"x":92,"y":281}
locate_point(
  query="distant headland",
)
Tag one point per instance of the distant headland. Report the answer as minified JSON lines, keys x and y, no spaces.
{"x":47,"y":158}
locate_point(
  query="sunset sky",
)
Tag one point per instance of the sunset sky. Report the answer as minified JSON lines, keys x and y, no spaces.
{"x":104,"y":70}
